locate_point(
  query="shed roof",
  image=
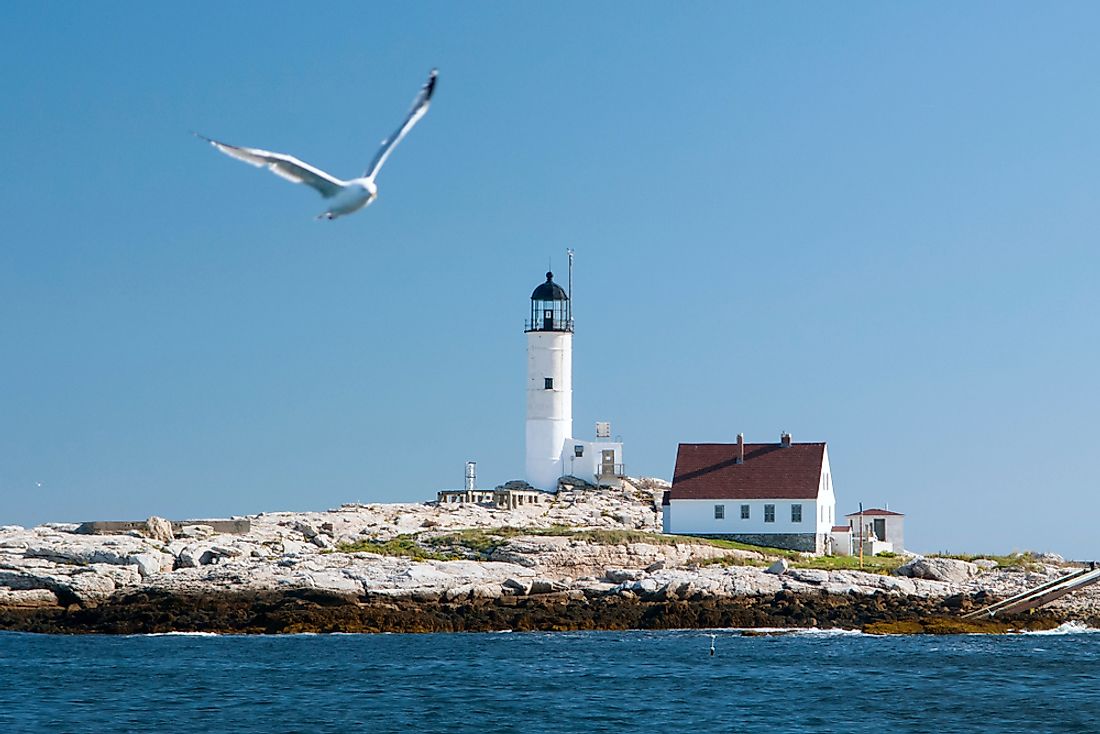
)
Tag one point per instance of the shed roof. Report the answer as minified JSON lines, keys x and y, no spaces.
{"x":770,"y":471}
{"x":876,"y":511}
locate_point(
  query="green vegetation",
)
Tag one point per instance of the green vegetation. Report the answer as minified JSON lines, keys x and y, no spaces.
{"x":479,"y":544}
{"x":881,"y":564}
{"x":403,"y":545}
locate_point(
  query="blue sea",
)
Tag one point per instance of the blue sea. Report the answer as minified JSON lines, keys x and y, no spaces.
{"x":552,"y":682}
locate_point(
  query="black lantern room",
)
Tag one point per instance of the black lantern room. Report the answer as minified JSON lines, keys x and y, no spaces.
{"x":550,"y":308}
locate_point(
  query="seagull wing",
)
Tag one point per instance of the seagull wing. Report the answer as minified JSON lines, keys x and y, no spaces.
{"x":419,"y":108}
{"x":284,"y":166}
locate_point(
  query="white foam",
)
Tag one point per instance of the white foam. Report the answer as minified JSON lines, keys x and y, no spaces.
{"x":1067,"y":628}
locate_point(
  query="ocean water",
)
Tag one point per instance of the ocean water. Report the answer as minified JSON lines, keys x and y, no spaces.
{"x":560,"y":682}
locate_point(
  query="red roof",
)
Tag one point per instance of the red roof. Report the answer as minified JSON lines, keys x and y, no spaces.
{"x":875,"y":511}
{"x":842,"y":528}
{"x":710,"y":471}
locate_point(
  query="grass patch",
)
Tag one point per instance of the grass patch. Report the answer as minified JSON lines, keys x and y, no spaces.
{"x":880,"y":564}
{"x":405,"y":546}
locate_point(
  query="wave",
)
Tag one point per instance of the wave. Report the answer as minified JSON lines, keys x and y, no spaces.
{"x":1067,"y":628}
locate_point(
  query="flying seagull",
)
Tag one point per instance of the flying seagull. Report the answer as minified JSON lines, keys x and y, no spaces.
{"x":347,"y":196}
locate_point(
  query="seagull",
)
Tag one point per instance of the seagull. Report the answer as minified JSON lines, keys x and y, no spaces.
{"x":347,"y":196}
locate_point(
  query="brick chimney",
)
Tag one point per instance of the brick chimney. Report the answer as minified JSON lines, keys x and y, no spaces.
{"x":740,"y":448}
{"x":785,"y":440}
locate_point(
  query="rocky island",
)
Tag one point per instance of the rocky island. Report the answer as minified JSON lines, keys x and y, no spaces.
{"x":589,"y":559}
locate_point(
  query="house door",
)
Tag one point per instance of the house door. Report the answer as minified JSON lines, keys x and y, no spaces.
{"x":607,"y":463}
{"x":880,"y":528}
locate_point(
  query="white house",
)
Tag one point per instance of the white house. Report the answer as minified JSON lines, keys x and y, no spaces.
{"x":881,"y":530}
{"x":771,"y":494}
{"x":552,"y":451}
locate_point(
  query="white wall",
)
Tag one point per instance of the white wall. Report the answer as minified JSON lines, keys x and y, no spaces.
{"x":587,"y":467}
{"x":895,"y":528}
{"x":826,"y":497}
{"x":696,"y":517}
{"x":549,"y":412}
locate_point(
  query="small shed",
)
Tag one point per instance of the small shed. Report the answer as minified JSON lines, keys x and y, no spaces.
{"x":879,"y":527}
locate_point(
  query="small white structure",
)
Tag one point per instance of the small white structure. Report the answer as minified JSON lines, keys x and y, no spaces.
{"x":470,"y":493}
{"x":881,"y":530}
{"x":841,"y":537}
{"x":551,"y":450}
{"x":771,"y":494}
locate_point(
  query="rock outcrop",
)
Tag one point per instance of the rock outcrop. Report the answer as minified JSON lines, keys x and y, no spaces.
{"x":592,"y":553}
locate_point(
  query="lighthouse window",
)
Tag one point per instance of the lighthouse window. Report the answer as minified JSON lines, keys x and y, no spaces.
{"x":548,"y":382}
{"x":578,"y":450}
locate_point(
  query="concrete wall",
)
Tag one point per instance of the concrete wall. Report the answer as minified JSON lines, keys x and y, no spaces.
{"x":806,"y":542}
{"x":110,"y":527}
{"x":549,"y":412}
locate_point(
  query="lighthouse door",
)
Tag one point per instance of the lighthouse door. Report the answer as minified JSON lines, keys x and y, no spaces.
{"x":548,"y":319}
{"x":607,"y":463}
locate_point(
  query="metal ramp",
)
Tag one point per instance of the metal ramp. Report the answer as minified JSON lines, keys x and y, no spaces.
{"x":1040,"y":595}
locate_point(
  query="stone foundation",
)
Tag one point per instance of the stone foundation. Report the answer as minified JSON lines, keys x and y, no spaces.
{"x":806,"y":542}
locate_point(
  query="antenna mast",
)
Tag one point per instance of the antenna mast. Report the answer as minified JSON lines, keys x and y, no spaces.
{"x":569,"y":252}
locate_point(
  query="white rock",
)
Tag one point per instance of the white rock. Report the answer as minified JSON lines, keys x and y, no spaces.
{"x":160,"y":529}
{"x":150,"y":564}
{"x":809,"y":575}
{"x":938,"y":569}
{"x":778,"y":567}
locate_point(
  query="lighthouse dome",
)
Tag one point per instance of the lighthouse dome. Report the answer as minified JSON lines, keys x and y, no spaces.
{"x":549,"y":291}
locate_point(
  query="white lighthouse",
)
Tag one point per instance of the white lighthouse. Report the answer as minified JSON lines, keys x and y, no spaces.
{"x":549,"y":383}
{"x":552,"y":450}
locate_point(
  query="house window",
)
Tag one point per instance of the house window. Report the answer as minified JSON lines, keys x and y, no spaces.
{"x":769,"y":513}
{"x":796,"y":513}
{"x":719,"y":512}
{"x":548,"y":383}
{"x":744,"y":512}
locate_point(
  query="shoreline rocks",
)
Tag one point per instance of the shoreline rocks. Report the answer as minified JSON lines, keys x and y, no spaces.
{"x":589,"y":559}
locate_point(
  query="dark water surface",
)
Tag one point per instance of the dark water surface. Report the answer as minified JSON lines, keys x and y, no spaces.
{"x":534,"y":682}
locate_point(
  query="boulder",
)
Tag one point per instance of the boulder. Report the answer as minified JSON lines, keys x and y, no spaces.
{"x":809,"y":575}
{"x":198,"y":532}
{"x":519,"y":587}
{"x":986,"y":564}
{"x":160,"y":529}
{"x":779,"y":567}
{"x":619,"y":575}
{"x":951,"y":570}
{"x":306,"y":529}
{"x":152,"y":563}
{"x":27,"y":598}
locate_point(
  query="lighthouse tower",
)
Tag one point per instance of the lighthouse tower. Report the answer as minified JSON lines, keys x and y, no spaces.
{"x":549,"y":383}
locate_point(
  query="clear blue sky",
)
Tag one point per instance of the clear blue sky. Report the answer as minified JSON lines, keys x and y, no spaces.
{"x":871,"y":224}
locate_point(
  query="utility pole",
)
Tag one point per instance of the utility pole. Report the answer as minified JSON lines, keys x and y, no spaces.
{"x":861,"y":535}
